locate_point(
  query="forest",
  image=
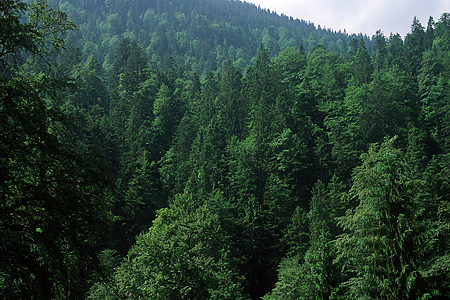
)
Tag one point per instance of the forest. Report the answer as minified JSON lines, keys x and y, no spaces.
{"x":212,"y":149}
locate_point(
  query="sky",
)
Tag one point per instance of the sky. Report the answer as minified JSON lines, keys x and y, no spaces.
{"x":360,"y":16}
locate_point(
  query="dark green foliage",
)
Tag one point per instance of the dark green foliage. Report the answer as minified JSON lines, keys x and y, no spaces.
{"x":54,"y":200}
{"x":224,"y":179}
{"x":315,"y":275}
{"x":415,"y":45}
{"x":362,"y":67}
{"x":433,"y":82}
{"x":42,"y":35}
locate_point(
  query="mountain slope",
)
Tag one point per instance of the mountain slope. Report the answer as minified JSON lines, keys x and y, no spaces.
{"x":201,"y":33}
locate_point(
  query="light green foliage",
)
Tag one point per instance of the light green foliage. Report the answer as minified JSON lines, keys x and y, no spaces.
{"x":180,"y":252}
{"x":161,"y":110}
{"x":343,"y":123}
{"x":291,"y":62}
{"x":324,"y":78}
{"x":91,"y":88}
{"x":290,"y":284}
{"x":183,"y":256}
{"x":297,"y":233}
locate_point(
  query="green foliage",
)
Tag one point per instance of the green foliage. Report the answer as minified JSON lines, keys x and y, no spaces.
{"x":182,"y":256}
{"x":203,"y":34}
{"x":390,"y":238}
{"x":237,"y":175}
{"x":42,"y":35}
{"x":433,"y":81}
{"x":249,"y":148}
{"x":289,"y":285}
{"x":415,"y":45}
{"x":310,"y":274}
{"x":54,"y":204}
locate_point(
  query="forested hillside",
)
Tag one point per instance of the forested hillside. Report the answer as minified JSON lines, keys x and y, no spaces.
{"x":202,"y":33}
{"x":133,"y":168}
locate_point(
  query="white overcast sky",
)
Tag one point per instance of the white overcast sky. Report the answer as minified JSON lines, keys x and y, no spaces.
{"x":360,"y":16}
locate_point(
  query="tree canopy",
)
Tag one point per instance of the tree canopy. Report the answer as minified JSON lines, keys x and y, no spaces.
{"x":216,"y":150}
{"x":54,"y":200}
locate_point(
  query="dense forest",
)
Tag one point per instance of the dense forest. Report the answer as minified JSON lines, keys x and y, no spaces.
{"x":211,"y":149}
{"x":202,"y":33}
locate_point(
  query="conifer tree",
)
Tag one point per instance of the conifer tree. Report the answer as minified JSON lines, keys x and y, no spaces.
{"x":387,"y":239}
{"x":380,"y":50}
{"x":415,"y":45}
{"x":231,"y":106}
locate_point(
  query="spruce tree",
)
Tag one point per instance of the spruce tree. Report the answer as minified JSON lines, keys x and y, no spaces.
{"x":387,"y":238}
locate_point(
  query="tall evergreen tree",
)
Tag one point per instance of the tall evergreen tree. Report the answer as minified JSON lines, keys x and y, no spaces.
{"x":415,"y":45}
{"x":388,"y":238}
{"x":380,"y":50}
